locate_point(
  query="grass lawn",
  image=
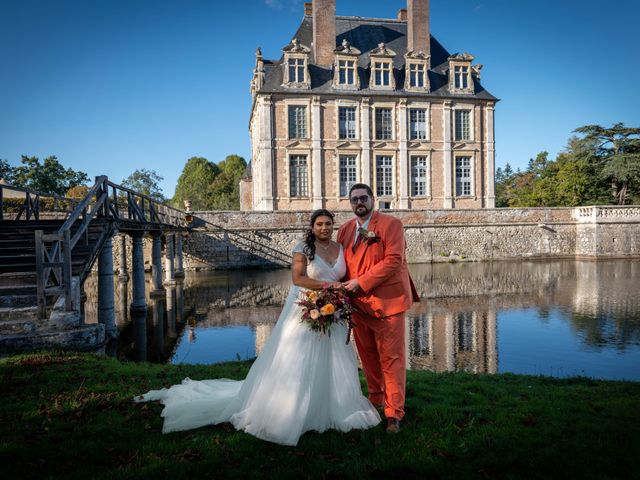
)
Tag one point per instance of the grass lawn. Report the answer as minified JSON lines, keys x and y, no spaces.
{"x":71,"y":416}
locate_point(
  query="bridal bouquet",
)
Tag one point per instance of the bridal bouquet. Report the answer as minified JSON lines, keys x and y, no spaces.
{"x":323,"y":308}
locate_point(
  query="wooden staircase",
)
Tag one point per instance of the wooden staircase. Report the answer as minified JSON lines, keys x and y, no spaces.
{"x":18,"y":246}
{"x":19,"y":313}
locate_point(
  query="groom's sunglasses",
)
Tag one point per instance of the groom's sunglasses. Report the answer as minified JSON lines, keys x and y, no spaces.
{"x":360,"y":199}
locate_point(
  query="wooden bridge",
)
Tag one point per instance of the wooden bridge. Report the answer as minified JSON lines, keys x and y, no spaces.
{"x":48,"y":246}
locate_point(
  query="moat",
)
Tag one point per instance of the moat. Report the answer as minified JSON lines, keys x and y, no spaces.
{"x":558,"y":318}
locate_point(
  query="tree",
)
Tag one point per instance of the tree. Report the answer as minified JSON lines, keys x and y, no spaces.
{"x":619,"y":148}
{"x":145,"y":181}
{"x":79,"y":191}
{"x":48,"y":177}
{"x":6,"y":171}
{"x":194,"y":183}
{"x":224,"y":192}
{"x":504,"y":179}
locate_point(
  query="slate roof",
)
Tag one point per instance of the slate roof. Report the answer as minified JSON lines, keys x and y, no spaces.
{"x":365,"y":34}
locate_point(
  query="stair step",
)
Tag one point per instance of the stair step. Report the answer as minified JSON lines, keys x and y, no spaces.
{"x":17,"y":279}
{"x":17,"y":327}
{"x":18,"y":301}
{"x":84,"y":337}
{"x":20,"y":313}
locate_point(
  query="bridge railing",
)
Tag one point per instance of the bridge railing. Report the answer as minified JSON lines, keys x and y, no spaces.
{"x":17,"y":203}
{"x":248,"y":243}
{"x":104,"y":200}
{"x":128,"y":205}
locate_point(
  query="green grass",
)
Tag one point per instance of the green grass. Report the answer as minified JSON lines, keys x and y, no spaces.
{"x":71,"y":416}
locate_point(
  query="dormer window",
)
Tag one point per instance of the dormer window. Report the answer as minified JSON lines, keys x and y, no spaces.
{"x":460,"y":80}
{"x":296,"y":70}
{"x":345,"y":75}
{"x":416,"y":77}
{"x":296,"y":65}
{"x":346,"y":72}
{"x":381,"y":74}
{"x":382,"y":68}
{"x":461,"y":77}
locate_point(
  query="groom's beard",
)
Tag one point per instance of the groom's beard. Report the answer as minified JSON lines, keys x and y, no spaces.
{"x":362,"y":211}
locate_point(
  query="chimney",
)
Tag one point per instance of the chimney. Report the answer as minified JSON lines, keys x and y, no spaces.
{"x":308,"y":9}
{"x":418,"y":36}
{"x":402,"y":15}
{"x":324,"y":31}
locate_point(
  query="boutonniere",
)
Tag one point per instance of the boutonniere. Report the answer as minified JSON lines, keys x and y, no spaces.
{"x":367,"y":236}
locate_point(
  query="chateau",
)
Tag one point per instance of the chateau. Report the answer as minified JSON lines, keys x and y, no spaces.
{"x":369,"y":100}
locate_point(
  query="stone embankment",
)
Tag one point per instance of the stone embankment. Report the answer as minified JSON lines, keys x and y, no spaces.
{"x":433,"y":236}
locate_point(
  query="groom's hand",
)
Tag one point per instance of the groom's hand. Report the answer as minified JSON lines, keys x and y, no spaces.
{"x":352,"y":286}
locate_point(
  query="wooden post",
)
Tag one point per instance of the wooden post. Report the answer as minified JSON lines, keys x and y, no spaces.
{"x":66,"y":270}
{"x":40,"y":281}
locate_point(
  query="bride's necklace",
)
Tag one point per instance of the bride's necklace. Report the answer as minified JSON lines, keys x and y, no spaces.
{"x":325,"y":248}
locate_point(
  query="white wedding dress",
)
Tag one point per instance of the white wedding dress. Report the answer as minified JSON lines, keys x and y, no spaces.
{"x":301,"y":381}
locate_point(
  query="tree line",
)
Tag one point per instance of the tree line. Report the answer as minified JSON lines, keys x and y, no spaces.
{"x":599,"y":166}
{"x":207,"y":185}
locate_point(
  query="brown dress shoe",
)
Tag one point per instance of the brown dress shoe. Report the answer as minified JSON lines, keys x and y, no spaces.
{"x":393,"y":425}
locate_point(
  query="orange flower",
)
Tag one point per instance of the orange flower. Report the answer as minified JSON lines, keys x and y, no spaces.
{"x":328,"y":309}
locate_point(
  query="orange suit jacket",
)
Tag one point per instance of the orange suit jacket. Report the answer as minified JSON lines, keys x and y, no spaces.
{"x":380,"y":266}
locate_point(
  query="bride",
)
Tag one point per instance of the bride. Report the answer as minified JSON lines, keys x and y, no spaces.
{"x":303,"y":380}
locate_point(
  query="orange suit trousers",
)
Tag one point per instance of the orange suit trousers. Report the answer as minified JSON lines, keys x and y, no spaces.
{"x":381,"y":346}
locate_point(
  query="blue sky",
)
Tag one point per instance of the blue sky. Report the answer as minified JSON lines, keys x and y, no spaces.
{"x":109,"y":86}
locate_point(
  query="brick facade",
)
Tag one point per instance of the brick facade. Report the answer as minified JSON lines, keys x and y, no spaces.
{"x":310,"y":139}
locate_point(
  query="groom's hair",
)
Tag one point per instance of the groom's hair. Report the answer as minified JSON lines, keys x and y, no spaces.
{"x":362,"y":186}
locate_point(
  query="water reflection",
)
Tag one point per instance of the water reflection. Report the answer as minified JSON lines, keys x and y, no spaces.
{"x":545,"y":317}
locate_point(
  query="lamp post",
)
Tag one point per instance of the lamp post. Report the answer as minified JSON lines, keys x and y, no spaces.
{"x":188,"y":217}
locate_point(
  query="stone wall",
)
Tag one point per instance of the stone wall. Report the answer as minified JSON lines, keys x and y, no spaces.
{"x":235,"y":240}
{"x":265,"y":239}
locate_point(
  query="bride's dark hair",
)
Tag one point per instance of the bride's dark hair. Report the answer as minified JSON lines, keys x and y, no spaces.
{"x":310,"y":238}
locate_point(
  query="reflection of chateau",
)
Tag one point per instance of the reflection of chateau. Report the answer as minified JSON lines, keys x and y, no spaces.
{"x":453,"y":328}
{"x":459,"y":338}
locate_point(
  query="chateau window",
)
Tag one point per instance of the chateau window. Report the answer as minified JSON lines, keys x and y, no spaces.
{"x":295,"y":65}
{"x":384,"y":124}
{"x":466,"y":332}
{"x":460,"y":69}
{"x":296,"y":70}
{"x":463,"y":176}
{"x":416,"y":75}
{"x":347,"y":122}
{"x":461,"y":77}
{"x":298,"y":176}
{"x":345,"y":67}
{"x":463,"y":125}
{"x":417,"y":124}
{"x":297,"y":121}
{"x":384,"y":176}
{"x":346,"y":72}
{"x":382,"y":74}
{"x":421,"y":337}
{"x":418,"y":176}
{"x":348,"y":172}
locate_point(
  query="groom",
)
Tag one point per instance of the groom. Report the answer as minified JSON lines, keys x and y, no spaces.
{"x":377,"y":275}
